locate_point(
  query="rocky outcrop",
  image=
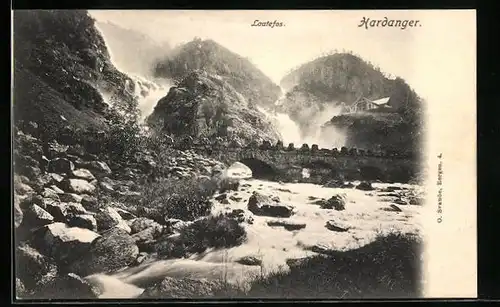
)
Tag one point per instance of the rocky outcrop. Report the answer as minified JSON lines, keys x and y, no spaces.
{"x":215,"y":59}
{"x":64,"y":243}
{"x":336,"y":226}
{"x":115,"y":249}
{"x":206,"y":106}
{"x":260,"y":204}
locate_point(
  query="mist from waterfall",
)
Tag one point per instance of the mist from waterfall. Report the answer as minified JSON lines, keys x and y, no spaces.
{"x":291,"y":132}
{"x":147,"y":89}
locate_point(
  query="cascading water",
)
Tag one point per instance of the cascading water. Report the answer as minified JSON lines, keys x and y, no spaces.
{"x":147,"y":89}
{"x":323,"y":136}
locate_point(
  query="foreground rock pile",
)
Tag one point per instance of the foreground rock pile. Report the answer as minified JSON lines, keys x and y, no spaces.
{"x":74,"y":217}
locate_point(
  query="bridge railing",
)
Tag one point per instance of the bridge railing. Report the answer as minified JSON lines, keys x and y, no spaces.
{"x":205,"y":144}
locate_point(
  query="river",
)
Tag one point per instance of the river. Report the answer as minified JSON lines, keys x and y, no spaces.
{"x":274,"y":245}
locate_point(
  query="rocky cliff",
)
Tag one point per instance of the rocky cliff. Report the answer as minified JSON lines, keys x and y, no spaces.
{"x":61,"y":68}
{"x":204,"y":105}
{"x":213,"y":58}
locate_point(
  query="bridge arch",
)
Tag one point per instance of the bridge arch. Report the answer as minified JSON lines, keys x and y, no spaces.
{"x":259,"y":168}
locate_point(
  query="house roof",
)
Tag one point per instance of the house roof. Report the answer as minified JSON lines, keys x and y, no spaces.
{"x":381,"y":101}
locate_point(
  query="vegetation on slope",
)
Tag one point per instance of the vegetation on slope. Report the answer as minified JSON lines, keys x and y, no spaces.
{"x":61,"y":65}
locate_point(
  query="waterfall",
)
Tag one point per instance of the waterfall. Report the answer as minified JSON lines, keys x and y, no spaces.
{"x":146,"y":89}
{"x":291,"y":132}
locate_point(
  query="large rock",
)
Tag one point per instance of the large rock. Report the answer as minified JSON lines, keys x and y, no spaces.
{"x":65,"y":243}
{"x":90,"y":202}
{"x":98,"y":168}
{"x":365,"y":186}
{"x":18,"y":213}
{"x":337,"y":226}
{"x":69,"y":287}
{"x":33,"y":268}
{"x":336,"y":202}
{"x":249,"y":260}
{"x":35,"y":217}
{"x":145,"y":239}
{"x":141,"y":223}
{"x":60,"y":211}
{"x":50,"y":193}
{"x":70,"y":197}
{"x":260,"y":204}
{"x":87,"y":221}
{"x":82,"y":173}
{"x":288,"y":225}
{"x":78,"y":186}
{"x":61,"y":165}
{"x":108,"y":218}
{"x":184,"y":288}
{"x":115,"y":249}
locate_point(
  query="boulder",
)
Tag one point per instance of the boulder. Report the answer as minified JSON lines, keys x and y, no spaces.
{"x":33,"y":268}
{"x":99,"y":169}
{"x":142,"y":223}
{"x":145,"y":239}
{"x":69,"y":287}
{"x":22,"y":188}
{"x":61,"y":166}
{"x":260,"y":204}
{"x":336,"y":202}
{"x":60,"y":211}
{"x":365,"y":186}
{"x":392,"y":208}
{"x":18,"y":213}
{"x":336,"y":226}
{"x":89,"y":202}
{"x":114,"y":250}
{"x":71,"y":198}
{"x":184,"y":288}
{"x":78,"y":186}
{"x":82,"y":173}
{"x":124,"y":213}
{"x":56,"y":189}
{"x":35,"y":217}
{"x":50,"y":193}
{"x":64,"y":243}
{"x":249,"y":260}
{"x":87,"y":221}
{"x":108,"y":218}
{"x":288,"y":225}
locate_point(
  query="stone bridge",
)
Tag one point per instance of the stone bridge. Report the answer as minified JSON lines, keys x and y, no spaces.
{"x":276,"y":162}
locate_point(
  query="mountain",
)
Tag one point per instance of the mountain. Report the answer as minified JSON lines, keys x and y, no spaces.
{"x":213,"y":58}
{"x":321,"y":85}
{"x":138,"y":52}
{"x":61,"y":69}
{"x":204,"y":105}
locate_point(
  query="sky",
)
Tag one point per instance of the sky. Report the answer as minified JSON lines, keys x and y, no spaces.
{"x":443,"y":41}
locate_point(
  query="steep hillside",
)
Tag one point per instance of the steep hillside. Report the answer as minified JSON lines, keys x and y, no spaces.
{"x":137,"y":51}
{"x":320,"y":85}
{"x":327,"y":81}
{"x":206,"y":106}
{"x":213,"y":58}
{"x":61,"y":67}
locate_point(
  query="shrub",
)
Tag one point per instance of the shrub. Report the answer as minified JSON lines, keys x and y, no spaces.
{"x":385,"y":268}
{"x":185,"y":199}
{"x":217,"y":231}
